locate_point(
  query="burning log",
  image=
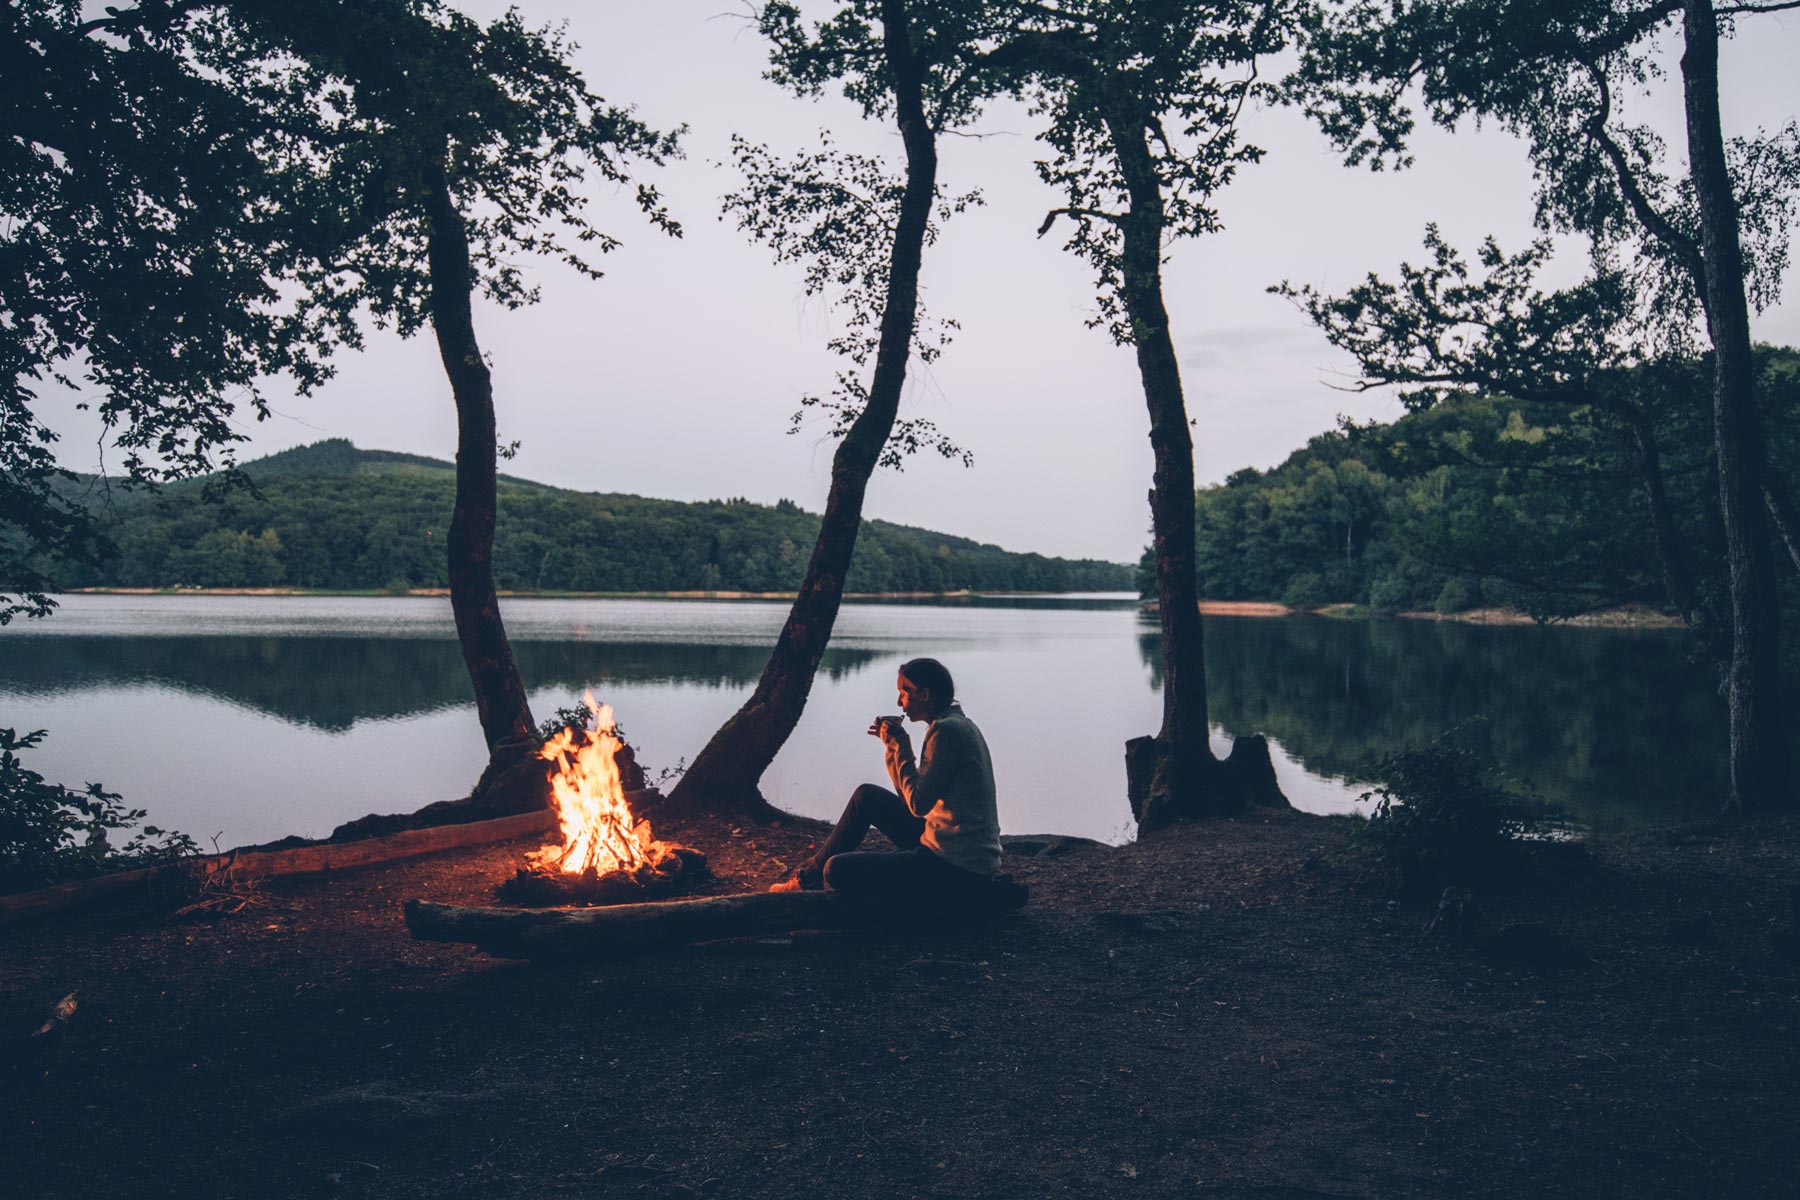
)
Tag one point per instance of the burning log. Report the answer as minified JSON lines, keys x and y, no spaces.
{"x":605,"y":856}
{"x":600,"y":932}
{"x":671,"y":871}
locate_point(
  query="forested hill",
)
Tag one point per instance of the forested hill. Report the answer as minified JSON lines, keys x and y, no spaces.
{"x":333,"y":516}
{"x":1540,"y":506}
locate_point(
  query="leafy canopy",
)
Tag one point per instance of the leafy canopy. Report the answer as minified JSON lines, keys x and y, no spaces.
{"x":199,"y":196}
{"x":1553,"y":72}
{"x":1172,"y":74}
{"x":835,"y":212}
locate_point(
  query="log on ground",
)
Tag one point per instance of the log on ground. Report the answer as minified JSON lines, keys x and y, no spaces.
{"x":267,"y":863}
{"x":625,"y":928}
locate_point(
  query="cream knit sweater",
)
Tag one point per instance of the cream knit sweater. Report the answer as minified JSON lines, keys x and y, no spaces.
{"x":952,"y":787}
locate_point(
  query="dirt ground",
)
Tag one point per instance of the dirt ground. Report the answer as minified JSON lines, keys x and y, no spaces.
{"x":1232,"y":1009}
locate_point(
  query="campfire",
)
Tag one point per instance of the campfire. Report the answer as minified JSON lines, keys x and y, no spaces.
{"x":606,"y":856}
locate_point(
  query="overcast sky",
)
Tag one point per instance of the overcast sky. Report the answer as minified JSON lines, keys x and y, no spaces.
{"x":675,"y":375}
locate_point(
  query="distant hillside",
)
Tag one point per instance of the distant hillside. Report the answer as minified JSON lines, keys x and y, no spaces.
{"x":1495,"y":501}
{"x":332,"y":516}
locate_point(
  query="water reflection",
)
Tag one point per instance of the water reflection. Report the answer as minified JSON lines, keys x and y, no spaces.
{"x":255,"y":717}
{"x":1614,"y":726}
{"x":331,"y":683}
{"x":347,"y":705}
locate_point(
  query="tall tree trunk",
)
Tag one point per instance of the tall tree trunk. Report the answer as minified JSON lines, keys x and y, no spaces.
{"x":499,"y":693}
{"x":1183,"y":735}
{"x":1758,"y":759}
{"x":1174,"y":773}
{"x":725,"y":774}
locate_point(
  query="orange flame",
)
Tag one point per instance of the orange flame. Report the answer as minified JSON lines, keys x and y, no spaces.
{"x":597,"y":827}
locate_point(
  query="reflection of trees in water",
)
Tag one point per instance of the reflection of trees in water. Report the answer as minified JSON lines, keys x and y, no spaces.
{"x":331,"y":683}
{"x":1603,"y":723}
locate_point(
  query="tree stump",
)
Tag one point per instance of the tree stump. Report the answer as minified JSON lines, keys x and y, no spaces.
{"x":1242,"y":779}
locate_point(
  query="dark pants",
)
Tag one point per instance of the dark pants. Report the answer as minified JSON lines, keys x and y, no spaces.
{"x":913,"y":873}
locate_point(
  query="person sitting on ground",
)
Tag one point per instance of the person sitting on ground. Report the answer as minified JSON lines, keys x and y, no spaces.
{"x":940,"y":816}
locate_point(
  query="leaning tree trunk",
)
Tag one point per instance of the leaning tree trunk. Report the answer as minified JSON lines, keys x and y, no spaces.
{"x":1758,"y":758}
{"x":499,"y":693}
{"x":725,"y":774}
{"x":1783,"y":515}
{"x":1174,"y":773}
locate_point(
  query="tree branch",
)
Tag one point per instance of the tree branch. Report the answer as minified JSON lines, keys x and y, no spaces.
{"x":1050,"y":217}
{"x":149,"y":14}
{"x":1661,"y":228}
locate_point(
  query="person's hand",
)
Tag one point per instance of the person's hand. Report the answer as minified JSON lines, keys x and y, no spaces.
{"x":889,"y":730}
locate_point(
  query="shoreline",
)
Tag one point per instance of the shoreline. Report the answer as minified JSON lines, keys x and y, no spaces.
{"x":722,"y":594}
{"x":1627,"y":617}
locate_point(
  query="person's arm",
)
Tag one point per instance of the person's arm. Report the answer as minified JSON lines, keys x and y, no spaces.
{"x":924,"y":784}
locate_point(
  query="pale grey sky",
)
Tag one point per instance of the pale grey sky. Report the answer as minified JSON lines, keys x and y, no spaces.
{"x":675,"y":375}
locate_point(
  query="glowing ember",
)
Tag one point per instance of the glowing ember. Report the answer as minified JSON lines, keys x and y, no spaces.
{"x":598,"y":831}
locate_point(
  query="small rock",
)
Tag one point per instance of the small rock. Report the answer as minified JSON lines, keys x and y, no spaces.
{"x":1047,"y":846}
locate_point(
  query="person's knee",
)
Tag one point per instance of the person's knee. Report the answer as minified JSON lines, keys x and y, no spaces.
{"x":866,"y":801}
{"x":857,"y":872}
{"x":867,"y":793}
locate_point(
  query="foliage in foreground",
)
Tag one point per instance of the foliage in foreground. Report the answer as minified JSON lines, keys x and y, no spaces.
{"x":50,"y":833}
{"x":1446,"y":816}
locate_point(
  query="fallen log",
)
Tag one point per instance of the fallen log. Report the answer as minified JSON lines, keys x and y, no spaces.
{"x":306,"y":859}
{"x":622,"y":928}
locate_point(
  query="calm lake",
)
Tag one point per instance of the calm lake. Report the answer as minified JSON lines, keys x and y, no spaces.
{"x":248,"y":718}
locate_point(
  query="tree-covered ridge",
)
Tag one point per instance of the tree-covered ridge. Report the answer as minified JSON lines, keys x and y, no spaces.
{"x":1484,"y":500}
{"x":333,"y":516}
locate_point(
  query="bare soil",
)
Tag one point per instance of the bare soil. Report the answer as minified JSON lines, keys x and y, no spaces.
{"x":1229,"y":1009}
